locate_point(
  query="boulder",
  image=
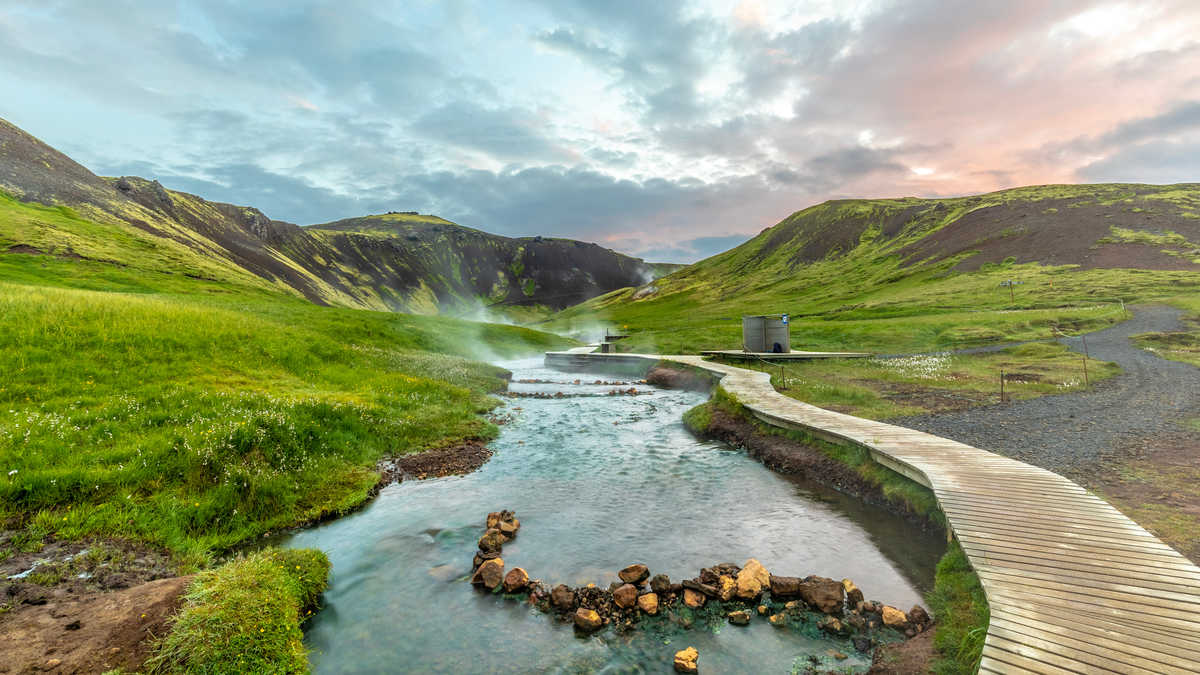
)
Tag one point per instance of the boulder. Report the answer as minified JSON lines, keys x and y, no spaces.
{"x":563,"y":598}
{"x":491,"y":541}
{"x":686,"y":660}
{"x":752,"y":580}
{"x":516,"y":580}
{"x":709,"y":576}
{"x":509,"y":527}
{"x":894,"y":618}
{"x":625,"y":596}
{"x":480,"y":556}
{"x":824,"y":594}
{"x":762,"y":610}
{"x":777,"y":620}
{"x":648,"y":603}
{"x":694,"y":599}
{"x":853,"y":594}
{"x":660,"y":583}
{"x":490,"y":574}
{"x":739,"y":617}
{"x":726,"y":588}
{"x":588,"y":620}
{"x":728,"y":569}
{"x":707,"y":590}
{"x":862,"y":645}
{"x":493,"y":519}
{"x":785,"y":587}
{"x":918,"y":616}
{"x":795,"y":606}
{"x":634,"y":574}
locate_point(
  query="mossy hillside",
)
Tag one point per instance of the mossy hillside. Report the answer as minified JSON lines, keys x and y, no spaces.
{"x":881,"y":275}
{"x":245,"y":616}
{"x":194,"y":417}
{"x":957,"y":601}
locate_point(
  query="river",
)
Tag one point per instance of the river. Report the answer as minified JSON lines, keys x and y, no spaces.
{"x":598,"y":482}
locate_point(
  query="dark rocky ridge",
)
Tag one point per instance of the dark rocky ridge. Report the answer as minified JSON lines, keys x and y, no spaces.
{"x":397,"y":261}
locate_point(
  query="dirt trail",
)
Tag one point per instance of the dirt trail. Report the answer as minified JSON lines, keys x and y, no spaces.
{"x":1074,"y":433}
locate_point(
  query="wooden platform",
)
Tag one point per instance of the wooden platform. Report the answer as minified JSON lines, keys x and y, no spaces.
{"x":1074,"y":586}
{"x":782,"y":356}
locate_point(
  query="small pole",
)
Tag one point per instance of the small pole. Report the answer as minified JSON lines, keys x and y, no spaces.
{"x":1002,"y":386}
{"x":1085,"y":352}
{"x":1012,"y":295}
{"x":1086,"y":384}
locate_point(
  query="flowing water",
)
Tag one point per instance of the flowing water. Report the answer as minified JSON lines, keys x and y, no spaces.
{"x":598,"y":482}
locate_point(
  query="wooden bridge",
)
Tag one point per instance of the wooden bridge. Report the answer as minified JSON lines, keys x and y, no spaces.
{"x":1073,"y":585}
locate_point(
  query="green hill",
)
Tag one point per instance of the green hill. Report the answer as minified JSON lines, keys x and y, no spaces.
{"x":398,"y":261}
{"x":894,"y":275}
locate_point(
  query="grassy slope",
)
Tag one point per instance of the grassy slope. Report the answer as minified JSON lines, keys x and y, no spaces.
{"x":194,"y":414}
{"x":865,"y":296}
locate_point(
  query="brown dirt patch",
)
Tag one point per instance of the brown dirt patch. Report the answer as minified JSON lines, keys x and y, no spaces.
{"x":911,"y":657}
{"x":1157,"y":484}
{"x":458,"y":459}
{"x":91,"y":633}
{"x":27,"y":250}
{"x":930,"y":399}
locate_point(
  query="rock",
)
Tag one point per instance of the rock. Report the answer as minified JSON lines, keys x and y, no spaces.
{"x":777,"y":620}
{"x":894,"y":618}
{"x":752,"y":580}
{"x":739,"y":617}
{"x":480,"y":556}
{"x":707,"y":590}
{"x":762,"y":610}
{"x":709,"y":576}
{"x":862,"y":645}
{"x":728,"y":569}
{"x":660,"y":583}
{"x":831,"y":625}
{"x":492,"y":540}
{"x":563,"y":598}
{"x":493,"y":519}
{"x":694,"y":599}
{"x":634,"y":574}
{"x":785,"y":587}
{"x":625,"y":596}
{"x":686,"y":660}
{"x":648,"y":603}
{"x":856,"y":621}
{"x":516,"y":580}
{"x":509,"y":528}
{"x":917,"y":615}
{"x":795,"y":606}
{"x":588,"y":620}
{"x":490,"y":574}
{"x":840,"y":656}
{"x":54,"y":663}
{"x":824,"y":594}
{"x":726,"y":588}
{"x":853,"y":594}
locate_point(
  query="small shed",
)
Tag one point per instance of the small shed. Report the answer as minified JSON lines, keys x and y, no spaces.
{"x":768,"y":333}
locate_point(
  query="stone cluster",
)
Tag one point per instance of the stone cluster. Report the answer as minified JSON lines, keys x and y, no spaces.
{"x":736,"y":593}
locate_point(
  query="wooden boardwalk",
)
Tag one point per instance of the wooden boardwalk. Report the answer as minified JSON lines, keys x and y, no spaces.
{"x":1074,"y":586}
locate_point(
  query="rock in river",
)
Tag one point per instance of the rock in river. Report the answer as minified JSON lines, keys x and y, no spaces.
{"x":693,"y":598}
{"x":752,"y":580}
{"x":516,"y":580}
{"x":739,"y":618}
{"x":490,"y":574}
{"x":587,"y":619}
{"x":826,"y":595}
{"x":661,"y":584}
{"x":634,"y":574}
{"x":894,"y":618}
{"x":726,"y":587}
{"x":563,"y":598}
{"x":648,"y":603}
{"x":625,"y":596}
{"x":854,"y":594}
{"x":686,"y":660}
{"x":492,"y":540}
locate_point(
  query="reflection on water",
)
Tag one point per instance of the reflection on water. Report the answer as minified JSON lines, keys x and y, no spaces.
{"x":598,"y":483}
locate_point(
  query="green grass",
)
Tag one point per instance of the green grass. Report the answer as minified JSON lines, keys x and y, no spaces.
{"x":245,"y":616}
{"x":197,"y":420}
{"x":887,"y":388}
{"x":962,"y":614}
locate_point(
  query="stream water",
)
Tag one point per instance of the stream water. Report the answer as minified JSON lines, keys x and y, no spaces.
{"x":598,"y":482}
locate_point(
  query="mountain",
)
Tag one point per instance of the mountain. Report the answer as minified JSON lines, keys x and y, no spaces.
{"x":842,"y":264}
{"x":397,"y":261}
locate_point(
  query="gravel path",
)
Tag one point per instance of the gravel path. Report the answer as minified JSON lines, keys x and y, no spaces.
{"x":1072,"y":434}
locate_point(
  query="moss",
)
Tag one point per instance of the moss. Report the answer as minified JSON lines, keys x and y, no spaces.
{"x":245,"y":616}
{"x":698,"y":419}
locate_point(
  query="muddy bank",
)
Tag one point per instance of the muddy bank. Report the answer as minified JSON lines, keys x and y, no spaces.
{"x":91,"y":632}
{"x":687,"y":379}
{"x":452,"y":461}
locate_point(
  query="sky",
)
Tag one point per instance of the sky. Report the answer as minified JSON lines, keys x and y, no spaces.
{"x":668,"y":130}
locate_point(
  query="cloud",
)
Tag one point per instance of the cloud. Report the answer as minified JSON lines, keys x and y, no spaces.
{"x":504,"y":133}
{"x":692,"y":250}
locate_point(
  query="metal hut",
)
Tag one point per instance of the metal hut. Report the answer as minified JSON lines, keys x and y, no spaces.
{"x":766,"y":334}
